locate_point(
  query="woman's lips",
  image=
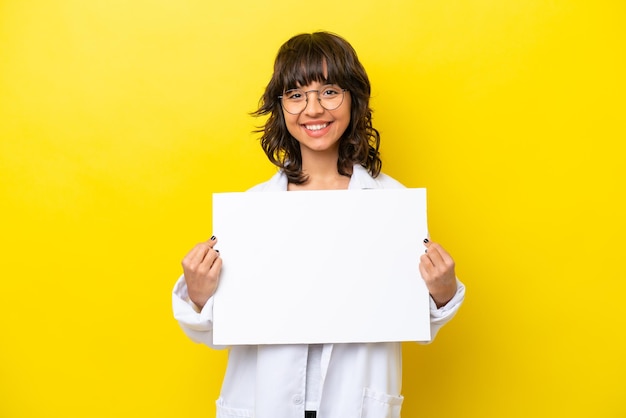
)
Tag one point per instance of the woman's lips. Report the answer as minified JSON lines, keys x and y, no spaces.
{"x":316,"y":129}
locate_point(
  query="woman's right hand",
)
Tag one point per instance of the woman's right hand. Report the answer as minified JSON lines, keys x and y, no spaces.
{"x":201,"y":267}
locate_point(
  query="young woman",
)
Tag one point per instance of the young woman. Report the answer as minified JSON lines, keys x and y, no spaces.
{"x":320,"y":134}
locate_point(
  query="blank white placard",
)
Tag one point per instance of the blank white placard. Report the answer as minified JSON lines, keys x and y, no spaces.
{"x":333,"y":266}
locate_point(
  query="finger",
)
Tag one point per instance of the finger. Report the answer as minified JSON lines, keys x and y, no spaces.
{"x":211,"y":251}
{"x":195,"y":256}
{"x":205,"y":266}
{"x":426,"y":262}
{"x":216,"y":267}
{"x":434,"y":254}
{"x":426,"y":267}
{"x":208,"y":261}
{"x":208,"y":245}
{"x":426,"y":244}
{"x":426,"y":258}
{"x":445,"y":256}
{"x":198,"y":253}
{"x":438,"y":255}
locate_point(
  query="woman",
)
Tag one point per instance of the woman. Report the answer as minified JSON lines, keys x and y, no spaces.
{"x":320,"y":134}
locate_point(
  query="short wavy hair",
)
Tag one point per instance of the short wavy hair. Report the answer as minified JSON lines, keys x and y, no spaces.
{"x":326,"y":58}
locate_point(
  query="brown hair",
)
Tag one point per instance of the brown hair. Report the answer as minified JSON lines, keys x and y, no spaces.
{"x":300,"y":61}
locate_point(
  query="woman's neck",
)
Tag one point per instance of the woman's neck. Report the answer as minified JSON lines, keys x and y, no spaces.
{"x":322,"y":174}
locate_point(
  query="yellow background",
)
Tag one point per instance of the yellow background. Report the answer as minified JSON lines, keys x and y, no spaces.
{"x":119,"y":118}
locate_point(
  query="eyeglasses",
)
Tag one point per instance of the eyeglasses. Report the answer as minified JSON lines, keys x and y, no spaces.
{"x":295,"y":101}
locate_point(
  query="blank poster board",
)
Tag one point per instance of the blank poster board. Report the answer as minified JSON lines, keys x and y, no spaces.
{"x":333,"y":266}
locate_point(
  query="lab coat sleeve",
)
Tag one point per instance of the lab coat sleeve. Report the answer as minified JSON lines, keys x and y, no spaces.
{"x":440,"y":316}
{"x":198,"y":326}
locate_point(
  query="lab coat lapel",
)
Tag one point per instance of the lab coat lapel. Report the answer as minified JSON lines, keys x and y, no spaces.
{"x":361,"y":179}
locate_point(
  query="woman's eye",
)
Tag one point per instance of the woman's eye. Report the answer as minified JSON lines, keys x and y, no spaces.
{"x":293,"y":95}
{"x":330,"y":92}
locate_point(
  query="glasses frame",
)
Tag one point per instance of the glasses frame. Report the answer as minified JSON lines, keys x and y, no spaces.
{"x":306,"y":99}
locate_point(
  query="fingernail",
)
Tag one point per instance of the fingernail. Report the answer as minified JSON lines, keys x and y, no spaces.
{"x":213,"y":238}
{"x":426,"y":241}
{"x":217,"y":251}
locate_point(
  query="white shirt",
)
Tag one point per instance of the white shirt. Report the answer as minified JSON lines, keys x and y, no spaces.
{"x":269,"y":381}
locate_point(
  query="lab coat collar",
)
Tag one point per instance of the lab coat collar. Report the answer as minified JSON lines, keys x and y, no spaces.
{"x":360,"y":179}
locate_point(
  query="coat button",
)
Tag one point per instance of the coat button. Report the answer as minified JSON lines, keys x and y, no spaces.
{"x":298,"y":400}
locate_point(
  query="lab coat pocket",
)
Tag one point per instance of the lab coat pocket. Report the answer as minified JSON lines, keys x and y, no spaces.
{"x":380,"y":405}
{"x":224,"y":411}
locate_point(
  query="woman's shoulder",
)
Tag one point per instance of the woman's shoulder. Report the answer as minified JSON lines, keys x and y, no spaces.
{"x":388,"y":182}
{"x":362,"y":179}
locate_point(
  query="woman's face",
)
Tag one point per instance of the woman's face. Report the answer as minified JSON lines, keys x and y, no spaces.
{"x":317,"y":129}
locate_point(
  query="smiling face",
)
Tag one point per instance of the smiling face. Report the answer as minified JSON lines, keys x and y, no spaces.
{"x":308,"y":62}
{"x":315,"y":128}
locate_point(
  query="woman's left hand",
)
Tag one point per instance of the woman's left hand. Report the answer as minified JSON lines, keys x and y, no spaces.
{"x":437,"y":268}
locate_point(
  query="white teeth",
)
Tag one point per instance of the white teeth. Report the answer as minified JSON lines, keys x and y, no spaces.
{"x":316,"y":127}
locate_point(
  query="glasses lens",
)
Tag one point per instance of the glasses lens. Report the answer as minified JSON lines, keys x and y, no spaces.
{"x":294,"y":101}
{"x":331,"y":97}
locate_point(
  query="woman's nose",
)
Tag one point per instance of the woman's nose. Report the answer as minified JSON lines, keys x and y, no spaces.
{"x":313,"y":105}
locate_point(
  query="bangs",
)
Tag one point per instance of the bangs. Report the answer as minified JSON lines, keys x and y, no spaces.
{"x":314,"y":62}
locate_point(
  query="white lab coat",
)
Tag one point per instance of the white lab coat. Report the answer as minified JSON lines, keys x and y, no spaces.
{"x":268,"y":381}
